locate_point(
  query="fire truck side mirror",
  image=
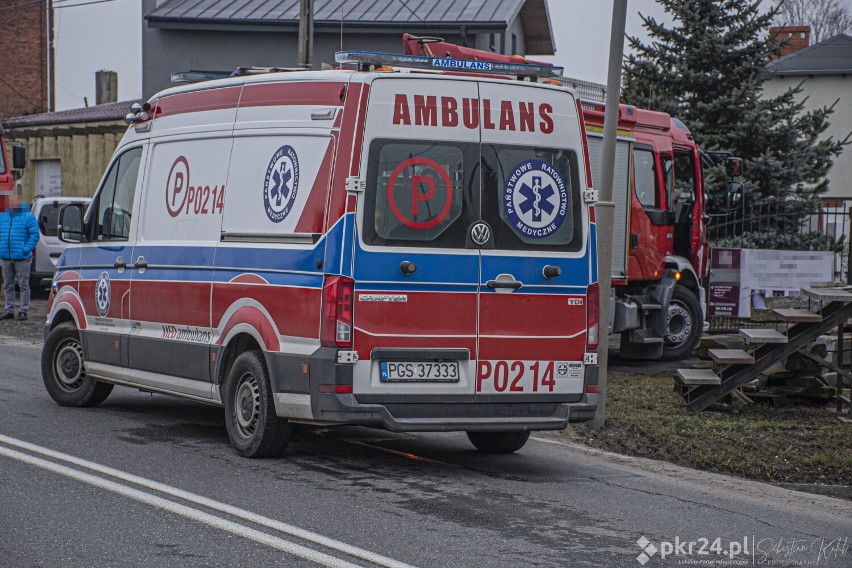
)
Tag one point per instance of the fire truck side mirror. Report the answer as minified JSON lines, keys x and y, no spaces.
{"x":734,"y":167}
{"x":19,"y":157}
{"x":735,"y":195}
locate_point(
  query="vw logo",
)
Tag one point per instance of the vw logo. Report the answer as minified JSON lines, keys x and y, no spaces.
{"x":480,"y":233}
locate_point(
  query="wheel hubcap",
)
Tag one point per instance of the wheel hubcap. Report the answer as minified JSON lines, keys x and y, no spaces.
{"x":247,"y":405}
{"x":68,"y":365}
{"x":679,"y":323}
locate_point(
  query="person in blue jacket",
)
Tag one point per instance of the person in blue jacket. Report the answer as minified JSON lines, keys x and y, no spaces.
{"x":18,"y":238}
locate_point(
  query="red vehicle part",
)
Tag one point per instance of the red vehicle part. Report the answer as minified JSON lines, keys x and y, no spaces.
{"x":665,"y":240}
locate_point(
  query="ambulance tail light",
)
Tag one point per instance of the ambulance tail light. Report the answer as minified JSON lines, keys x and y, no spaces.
{"x":593,"y":317}
{"x":337,"y":311}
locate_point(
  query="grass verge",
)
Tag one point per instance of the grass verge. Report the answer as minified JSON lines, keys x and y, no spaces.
{"x":798,"y":444}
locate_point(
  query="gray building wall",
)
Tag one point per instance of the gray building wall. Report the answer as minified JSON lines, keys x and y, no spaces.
{"x":165,"y":51}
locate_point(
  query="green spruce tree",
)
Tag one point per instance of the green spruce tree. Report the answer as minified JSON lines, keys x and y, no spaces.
{"x":708,"y":69}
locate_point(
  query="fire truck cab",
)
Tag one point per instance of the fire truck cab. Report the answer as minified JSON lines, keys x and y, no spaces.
{"x":7,"y":177}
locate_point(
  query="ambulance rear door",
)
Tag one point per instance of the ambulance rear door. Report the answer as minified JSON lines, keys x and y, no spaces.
{"x":535,"y":263}
{"x":416,"y":280}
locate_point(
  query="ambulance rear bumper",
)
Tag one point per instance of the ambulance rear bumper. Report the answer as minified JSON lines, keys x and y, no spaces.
{"x":415,"y":413}
{"x":470,"y":417}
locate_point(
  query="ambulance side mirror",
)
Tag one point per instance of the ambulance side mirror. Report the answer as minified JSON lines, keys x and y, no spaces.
{"x":735,"y":195}
{"x":70,"y":228}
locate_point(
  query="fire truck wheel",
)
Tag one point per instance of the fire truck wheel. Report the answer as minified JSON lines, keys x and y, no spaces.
{"x":63,"y":370}
{"x":685,"y":324}
{"x":253,"y":427}
{"x":498,"y":442}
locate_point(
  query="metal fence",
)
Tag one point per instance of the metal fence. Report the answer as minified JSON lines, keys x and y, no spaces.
{"x":790,"y":225}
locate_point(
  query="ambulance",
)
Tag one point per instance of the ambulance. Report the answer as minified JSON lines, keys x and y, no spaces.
{"x":407,"y":243}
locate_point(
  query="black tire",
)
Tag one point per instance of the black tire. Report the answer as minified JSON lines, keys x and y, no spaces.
{"x":684,"y":325}
{"x":63,"y":370}
{"x":498,"y":442}
{"x":253,"y":427}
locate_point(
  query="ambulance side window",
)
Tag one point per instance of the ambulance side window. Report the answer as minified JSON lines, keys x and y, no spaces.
{"x":420,"y":193}
{"x":115,"y":202}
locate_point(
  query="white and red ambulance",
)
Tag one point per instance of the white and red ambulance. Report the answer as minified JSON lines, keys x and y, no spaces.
{"x":385,"y":245}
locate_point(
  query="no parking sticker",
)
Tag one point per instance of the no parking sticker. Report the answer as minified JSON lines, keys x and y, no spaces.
{"x":535,"y":199}
{"x":425,"y":193}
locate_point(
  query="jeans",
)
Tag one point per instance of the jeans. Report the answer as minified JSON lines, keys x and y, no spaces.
{"x":17,"y":270}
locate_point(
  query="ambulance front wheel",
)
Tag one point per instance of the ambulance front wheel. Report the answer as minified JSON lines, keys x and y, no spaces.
{"x":684,"y":324}
{"x":498,"y":442}
{"x":63,"y":370}
{"x":253,"y":427}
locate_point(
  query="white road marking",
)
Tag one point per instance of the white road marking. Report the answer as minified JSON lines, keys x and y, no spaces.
{"x":285,"y":528}
{"x":182,"y":510}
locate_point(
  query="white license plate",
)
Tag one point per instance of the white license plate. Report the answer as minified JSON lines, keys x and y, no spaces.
{"x":413,"y":371}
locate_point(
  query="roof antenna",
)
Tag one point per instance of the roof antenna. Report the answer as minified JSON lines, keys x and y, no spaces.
{"x":341,"y":33}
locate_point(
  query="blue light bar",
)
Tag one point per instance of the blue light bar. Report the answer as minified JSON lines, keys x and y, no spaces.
{"x":376,"y":59}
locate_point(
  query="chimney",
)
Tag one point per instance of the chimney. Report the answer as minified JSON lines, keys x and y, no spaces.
{"x":792,"y":38}
{"x":106,"y":87}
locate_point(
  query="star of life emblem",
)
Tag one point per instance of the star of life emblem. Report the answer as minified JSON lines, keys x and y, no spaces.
{"x":102,"y":294}
{"x":535,"y":199}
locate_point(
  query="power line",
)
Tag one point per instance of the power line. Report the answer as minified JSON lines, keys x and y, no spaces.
{"x":57,"y":4}
{"x":11,"y":86}
{"x":55,"y":7}
{"x":413,"y":13}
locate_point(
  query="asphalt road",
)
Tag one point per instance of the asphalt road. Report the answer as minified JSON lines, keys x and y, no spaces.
{"x":148,"y":480}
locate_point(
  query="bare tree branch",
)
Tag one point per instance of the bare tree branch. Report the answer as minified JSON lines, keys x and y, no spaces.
{"x":826,"y":18}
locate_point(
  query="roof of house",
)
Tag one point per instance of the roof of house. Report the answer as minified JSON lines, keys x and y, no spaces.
{"x":98,"y":113}
{"x":396,"y":16}
{"x":350,"y":11}
{"x":830,"y":57}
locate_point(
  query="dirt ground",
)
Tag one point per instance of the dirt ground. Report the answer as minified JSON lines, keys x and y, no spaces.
{"x":32,"y":330}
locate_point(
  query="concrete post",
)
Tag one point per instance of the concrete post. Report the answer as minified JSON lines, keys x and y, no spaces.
{"x":306,"y":33}
{"x":605,"y":209}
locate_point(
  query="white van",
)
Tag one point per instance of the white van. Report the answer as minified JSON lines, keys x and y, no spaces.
{"x":407,"y":249}
{"x":49,"y":247}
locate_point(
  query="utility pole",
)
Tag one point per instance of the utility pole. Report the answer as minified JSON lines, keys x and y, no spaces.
{"x":605,"y":208}
{"x":306,"y":33}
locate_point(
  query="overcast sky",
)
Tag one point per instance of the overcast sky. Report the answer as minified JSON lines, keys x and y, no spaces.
{"x":107,"y":35}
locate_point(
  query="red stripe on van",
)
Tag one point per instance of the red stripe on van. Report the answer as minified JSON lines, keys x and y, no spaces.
{"x":359,"y":133}
{"x":294,"y":311}
{"x":255,"y":319}
{"x":314,"y":93}
{"x":198,"y":101}
{"x":313,"y":215}
{"x":348,"y":133}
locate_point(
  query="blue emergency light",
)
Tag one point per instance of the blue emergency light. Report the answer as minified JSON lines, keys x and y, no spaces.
{"x":366,"y":59}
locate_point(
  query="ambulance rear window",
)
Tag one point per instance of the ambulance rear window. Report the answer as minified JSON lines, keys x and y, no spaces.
{"x":420,"y":193}
{"x":530,"y":197}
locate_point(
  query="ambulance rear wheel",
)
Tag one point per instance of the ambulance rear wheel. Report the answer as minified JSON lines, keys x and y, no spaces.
{"x":253,"y":427}
{"x":498,"y":442}
{"x":63,"y":370}
{"x":684,"y":324}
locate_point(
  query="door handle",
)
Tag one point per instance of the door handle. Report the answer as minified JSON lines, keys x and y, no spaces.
{"x":496,"y":284}
{"x":504,"y":282}
{"x":119,"y":264}
{"x":141,"y":263}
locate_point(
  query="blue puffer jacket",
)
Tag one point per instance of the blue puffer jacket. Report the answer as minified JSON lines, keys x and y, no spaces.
{"x":18,"y":234}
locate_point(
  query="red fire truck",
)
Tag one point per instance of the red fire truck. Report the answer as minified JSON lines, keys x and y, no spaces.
{"x":660,"y":247}
{"x":7,"y":180}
